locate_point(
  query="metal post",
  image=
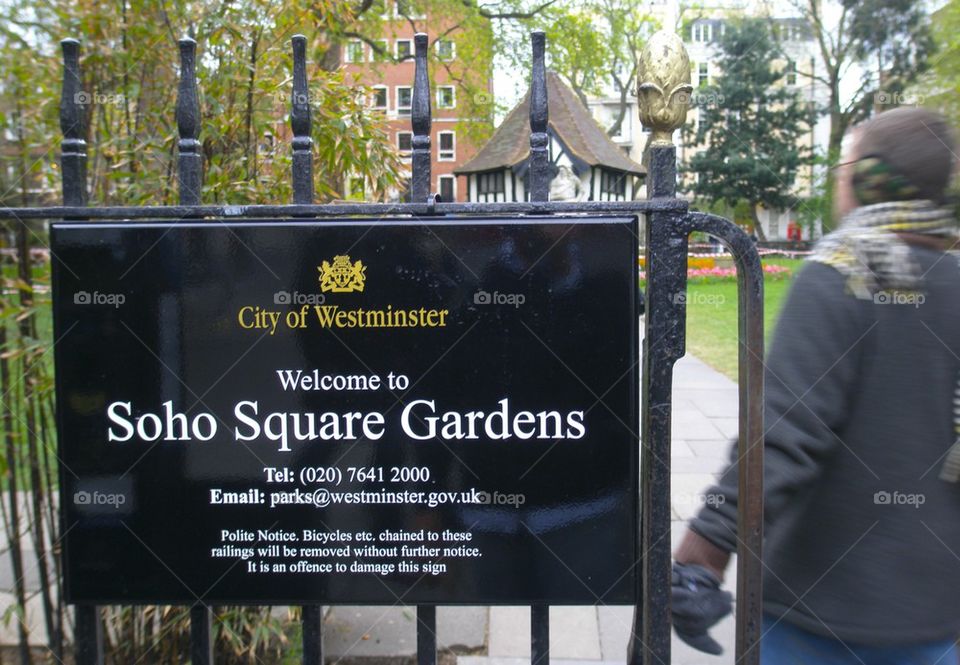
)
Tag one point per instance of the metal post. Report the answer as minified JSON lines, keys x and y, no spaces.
{"x":189,"y":174}
{"x":311,"y":621}
{"x":538,"y":180}
{"x":73,"y":157}
{"x":663,"y":74}
{"x":311,"y":616}
{"x":539,"y":174}
{"x":663,"y":345}
{"x":201,"y":646}
{"x":300,"y":124}
{"x":420,"y":119}
{"x":420,"y":192}
{"x":540,"y":635}
{"x":88,"y":638}
{"x":426,"y":635}
{"x":188,"y":125}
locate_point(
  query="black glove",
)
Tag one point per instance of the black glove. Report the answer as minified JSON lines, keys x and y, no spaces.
{"x":698,"y":604}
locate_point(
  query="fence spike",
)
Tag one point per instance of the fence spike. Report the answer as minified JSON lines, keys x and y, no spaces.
{"x":188,"y":125}
{"x":426,"y":634}
{"x":420,"y":119}
{"x":539,"y":171}
{"x":73,"y":149}
{"x":300,"y":124}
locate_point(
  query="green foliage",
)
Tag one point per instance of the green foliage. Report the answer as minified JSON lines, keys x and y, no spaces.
{"x":594,"y":46}
{"x":129,"y":80}
{"x":129,"y":66}
{"x":893,"y":39}
{"x":885,"y":42}
{"x":751,"y":125}
{"x":939,"y":87}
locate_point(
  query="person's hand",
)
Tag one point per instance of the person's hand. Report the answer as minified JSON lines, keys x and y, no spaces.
{"x":698,"y":604}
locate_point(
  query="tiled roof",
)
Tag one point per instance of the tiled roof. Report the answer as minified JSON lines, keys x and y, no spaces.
{"x":570,"y":122}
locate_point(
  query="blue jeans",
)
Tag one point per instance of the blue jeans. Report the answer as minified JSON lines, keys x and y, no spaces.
{"x":786,"y":644}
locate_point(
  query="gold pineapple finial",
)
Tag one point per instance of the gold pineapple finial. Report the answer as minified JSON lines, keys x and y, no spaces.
{"x":664,"y":87}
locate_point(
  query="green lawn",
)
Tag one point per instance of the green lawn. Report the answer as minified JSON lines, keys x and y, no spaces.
{"x":712,"y":317}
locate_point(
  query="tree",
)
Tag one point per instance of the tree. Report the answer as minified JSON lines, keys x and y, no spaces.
{"x":754,"y":131}
{"x":594,"y":46}
{"x":889,"y":41}
{"x":939,"y":86}
{"x":129,"y":82}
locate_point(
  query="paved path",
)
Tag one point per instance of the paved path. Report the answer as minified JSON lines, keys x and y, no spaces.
{"x":704,"y":419}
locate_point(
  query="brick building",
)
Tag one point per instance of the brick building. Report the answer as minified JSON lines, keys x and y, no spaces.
{"x":461,"y":92}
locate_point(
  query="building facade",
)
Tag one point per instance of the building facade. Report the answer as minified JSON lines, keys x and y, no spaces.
{"x":587,"y":164}
{"x":385,"y":66}
{"x":701,"y":26}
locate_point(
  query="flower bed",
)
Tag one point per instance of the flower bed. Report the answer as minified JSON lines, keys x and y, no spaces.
{"x":699,"y":275}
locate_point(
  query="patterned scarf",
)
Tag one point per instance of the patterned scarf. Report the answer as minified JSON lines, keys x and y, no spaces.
{"x":869,"y":251}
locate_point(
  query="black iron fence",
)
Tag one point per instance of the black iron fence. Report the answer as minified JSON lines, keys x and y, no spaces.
{"x":668,"y":225}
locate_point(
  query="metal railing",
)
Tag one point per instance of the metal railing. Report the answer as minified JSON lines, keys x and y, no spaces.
{"x":668,"y":224}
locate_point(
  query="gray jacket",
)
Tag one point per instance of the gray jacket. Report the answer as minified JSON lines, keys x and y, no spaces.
{"x":862,"y":539}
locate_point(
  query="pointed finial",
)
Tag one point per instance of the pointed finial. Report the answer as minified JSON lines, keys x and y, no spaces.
{"x":420,"y":121}
{"x":188,"y":125}
{"x":539,"y":174}
{"x":302,"y":166}
{"x":664,"y":91}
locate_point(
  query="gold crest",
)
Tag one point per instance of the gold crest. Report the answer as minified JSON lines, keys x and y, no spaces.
{"x":343,"y":276}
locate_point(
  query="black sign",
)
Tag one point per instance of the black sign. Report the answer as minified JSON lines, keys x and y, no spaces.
{"x":279,"y":412}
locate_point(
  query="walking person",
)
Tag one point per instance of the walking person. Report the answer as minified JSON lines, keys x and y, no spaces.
{"x":861,"y":553}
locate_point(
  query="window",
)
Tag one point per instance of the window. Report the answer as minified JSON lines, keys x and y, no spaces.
{"x":613,"y":183}
{"x":405,"y":143}
{"x":490,"y":183}
{"x":446,"y":50}
{"x":354,"y":51}
{"x":382,"y":51}
{"x":793,"y":32}
{"x":446,"y":98}
{"x":791,"y":72}
{"x":703,"y":74}
{"x":404,"y":49}
{"x":701,"y":31}
{"x":404,"y":99}
{"x":379,"y":98}
{"x":447,"y":184}
{"x":356,"y":188}
{"x":448,"y":148}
